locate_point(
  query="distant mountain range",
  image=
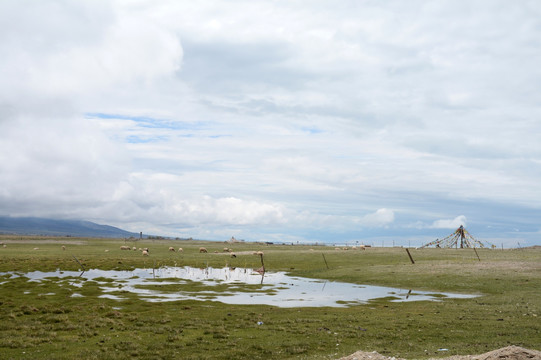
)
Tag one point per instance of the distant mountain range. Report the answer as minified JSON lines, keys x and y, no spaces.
{"x":53,"y":227}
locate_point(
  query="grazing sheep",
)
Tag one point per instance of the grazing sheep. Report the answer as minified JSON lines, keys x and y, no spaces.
{"x":336,"y":248}
{"x":171,"y":249}
{"x":226,"y":249}
{"x":63,"y":247}
{"x":146,"y":249}
{"x":202,"y":250}
{"x":4,"y":245}
{"x":362,"y":247}
{"x":259,"y":253}
{"x":36,"y":248}
{"x":233,"y":255}
{"x":145,"y":253}
{"x":180,"y":250}
{"x":106,"y":250}
{"x":134,"y":248}
{"x":346,"y":248}
{"x":124,"y":247}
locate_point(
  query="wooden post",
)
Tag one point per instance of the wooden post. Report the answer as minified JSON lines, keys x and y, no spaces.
{"x":82,"y":266}
{"x":325,"y":261}
{"x":477,"y":254}
{"x":407,"y":250}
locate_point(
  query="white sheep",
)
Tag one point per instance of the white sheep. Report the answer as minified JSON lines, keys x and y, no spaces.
{"x":145,"y":253}
{"x":63,"y":247}
{"x":171,"y":248}
{"x":124,"y":247}
{"x":180,"y":250}
{"x":202,"y":250}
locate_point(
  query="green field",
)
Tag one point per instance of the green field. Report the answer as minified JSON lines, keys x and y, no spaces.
{"x":42,"y":320}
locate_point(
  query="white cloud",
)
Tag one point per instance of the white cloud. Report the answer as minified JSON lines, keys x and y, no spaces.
{"x":382,"y":217}
{"x":449,"y":223}
{"x":64,"y":48}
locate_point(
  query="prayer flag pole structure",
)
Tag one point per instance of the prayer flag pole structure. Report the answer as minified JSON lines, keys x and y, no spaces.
{"x":460,"y":237}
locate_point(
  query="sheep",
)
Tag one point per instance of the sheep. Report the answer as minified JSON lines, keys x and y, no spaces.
{"x":362,"y":247}
{"x":202,"y":250}
{"x":63,"y":247}
{"x":145,"y":253}
{"x":124,"y":247}
{"x":171,"y":249}
{"x":226,"y":249}
{"x":259,"y":253}
{"x":146,"y":249}
{"x":106,"y":250}
{"x":233,"y":255}
{"x":180,"y":250}
{"x":134,"y":248}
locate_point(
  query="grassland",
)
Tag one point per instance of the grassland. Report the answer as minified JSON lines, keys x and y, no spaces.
{"x":44,"y":321}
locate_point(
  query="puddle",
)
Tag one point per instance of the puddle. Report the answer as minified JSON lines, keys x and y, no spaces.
{"x":231,"y":286}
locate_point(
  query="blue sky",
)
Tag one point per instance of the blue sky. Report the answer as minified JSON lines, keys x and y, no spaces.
{"x":382,"y":122}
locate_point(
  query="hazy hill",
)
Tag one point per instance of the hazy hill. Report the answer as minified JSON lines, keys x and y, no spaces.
{"x":53,"y":227}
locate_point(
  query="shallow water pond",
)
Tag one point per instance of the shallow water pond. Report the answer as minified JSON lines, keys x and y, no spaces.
{"x":227,"y":285}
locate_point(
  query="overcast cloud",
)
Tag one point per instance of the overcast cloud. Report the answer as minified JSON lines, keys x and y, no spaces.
{"x":383,"y":122}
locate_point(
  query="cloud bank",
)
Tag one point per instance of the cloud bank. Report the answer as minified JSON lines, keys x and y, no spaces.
{"x":298,"y":121}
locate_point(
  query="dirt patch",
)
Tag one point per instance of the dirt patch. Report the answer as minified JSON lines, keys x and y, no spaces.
{"x":506,"y":353}
{"x":44,"y":241}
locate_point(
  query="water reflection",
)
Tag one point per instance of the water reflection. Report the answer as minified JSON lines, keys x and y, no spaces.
{"x":231,"y":286}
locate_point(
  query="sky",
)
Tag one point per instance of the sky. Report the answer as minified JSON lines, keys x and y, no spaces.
{"x":375,"y":122}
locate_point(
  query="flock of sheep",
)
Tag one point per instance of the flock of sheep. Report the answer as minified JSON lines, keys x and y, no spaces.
{"x":146,"y":251}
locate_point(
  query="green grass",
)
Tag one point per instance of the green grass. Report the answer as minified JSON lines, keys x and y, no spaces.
{"x":44,"y":321}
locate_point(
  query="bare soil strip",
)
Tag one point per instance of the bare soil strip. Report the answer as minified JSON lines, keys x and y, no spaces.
{"x":506,"y":353}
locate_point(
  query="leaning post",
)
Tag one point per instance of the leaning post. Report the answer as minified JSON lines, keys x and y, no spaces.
{"x":411,"y":259}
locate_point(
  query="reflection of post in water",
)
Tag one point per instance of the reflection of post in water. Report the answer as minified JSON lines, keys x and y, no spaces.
{"x":408,"y":295}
